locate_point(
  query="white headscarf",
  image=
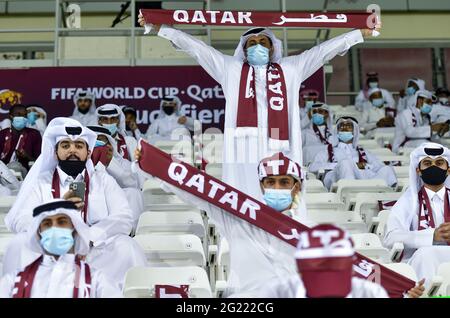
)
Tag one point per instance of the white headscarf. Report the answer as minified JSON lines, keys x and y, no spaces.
{"x":82,"y":237}
{"x":374,"y":90}
{"x":277,"y":44}
{"x":47,"y":161}
{"x":324,"y":106}
{"x":84,"y":95}
{"x":355,"y":129}
{"x":115,"y":111}
{"x":100,"y":130}
{"x":419,"y":82}
{"x":415,"y":181}
{"x":41,"y":110}
{"x":412,"y":102}
{"x":171,"y":99}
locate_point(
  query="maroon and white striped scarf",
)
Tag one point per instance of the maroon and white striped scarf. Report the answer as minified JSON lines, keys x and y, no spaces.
{"x":385,"y":204}
{"x":247,"y":114}
{"x":426,"y":219}
{"x":24,"y":285}
{"x":122,"y":147}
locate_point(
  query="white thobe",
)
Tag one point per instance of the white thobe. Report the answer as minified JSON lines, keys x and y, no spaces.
{"x":344,"y":166}
{"x":440,"y":113}
{"x":109,"y":217}
{"x":362,"y":98}
{"x":421,"y":252}
{"x":55,"y":279}
{"x":135,"y":133}
{"x":293,"y":287}
{"x":304,"y":119}
{"x":311,"y":143}
{"x":163,"y":128}
{"x":404,"y":128}
{"x":241,"y":155}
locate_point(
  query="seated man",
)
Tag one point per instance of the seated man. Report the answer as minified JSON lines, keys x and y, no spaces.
{"x":9,"y":184}
{"x":318,"y":135}
{"x":131,"y":127}
{"x":412,"y":86}
{"x":415,"y":125}
{"x":120,"y":169}
{"x":65,"y":160}
{"x":84,"y":110}
{"x":421,"y":217}
{"x":19,"y":145}
{"x":169,"y":119}
{"x":376,"y":114}
{"x":347,"y":160}
{"x":60,"y":240}
{"x":442,"y":95}
{"x":254,"y":253}
{"x":364,"y":95}
{"x":112,"y":118}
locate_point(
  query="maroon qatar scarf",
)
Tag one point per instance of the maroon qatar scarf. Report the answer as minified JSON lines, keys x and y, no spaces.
{"x":323,"y":139}
{"x":171,"y":291}
{"x":56,"y":192}
{"x":194,"y":181}
{"x":355,"y":19}
{"x":247,"y":114}
{"x":24,"y":285}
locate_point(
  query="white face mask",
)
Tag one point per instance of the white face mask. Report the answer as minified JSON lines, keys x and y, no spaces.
{"x":443,"y":100}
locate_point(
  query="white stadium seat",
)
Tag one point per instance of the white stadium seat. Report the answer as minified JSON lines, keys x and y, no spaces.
{"x":401,"y":171}
{"x":369,"y":245}
{"x":444,"y":272}
{"x":152,"y":186}
{"x":4,"y":241}
{"x":214,"y":169}
{"x":315,"y":186}
{"x":223,"y":260}
{"x":327,"y":201}
{"x":172,"y":250}
{"x":172,"y":222}
{"x":347,"y":189}
{"x":369,"y":144}
{"x":381,"y":152}
{"x":140,"y":281}
{"x":366,"y":204}
{"x":378,"y":223}
{"x":349,"y":220}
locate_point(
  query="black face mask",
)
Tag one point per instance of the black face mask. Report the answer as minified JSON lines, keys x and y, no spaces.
{"x":168,"y":110}
{"x":72,"y":167}
{"x":434,"y":175}
{"x":83,"y":111}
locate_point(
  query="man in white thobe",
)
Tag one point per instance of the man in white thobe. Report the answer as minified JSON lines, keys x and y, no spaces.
{"x":376,"y":113}
{"x":412,"y":86}
{"x":252,"y":133}
{"x":170,"y":124}
{"x":84,"y":110}
{"x":347,"y":160}
{"x":58,"y":239}
{"x":120,"y":169}
{"x":363,"y":97}
{"x":420,"y":219}
{"x":415,"y":125}
{"x":255,"y":255}
{"x":65,"y":158}
{"x":319,"y":133}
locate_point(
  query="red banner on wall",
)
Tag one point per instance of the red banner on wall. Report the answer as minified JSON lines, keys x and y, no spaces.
{"x":140,"y":87}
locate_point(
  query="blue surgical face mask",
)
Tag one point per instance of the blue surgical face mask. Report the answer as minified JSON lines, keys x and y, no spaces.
{"x":258,"y":55}
{"x":32,"y":116}
{"x":309,"y":104}
{"x":99,"y":143}
{"x":318,"y":119}
{"x":373,"y":84}
{"x":426,"y":108}
{"x":111,"y":127}
{"x":57,"y":240}
{"x":377,"y":102}
{"x":278,"y":199}
{"x":410,"y":90}
{"x":345,"y":136}
{"x":19,"y":123}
